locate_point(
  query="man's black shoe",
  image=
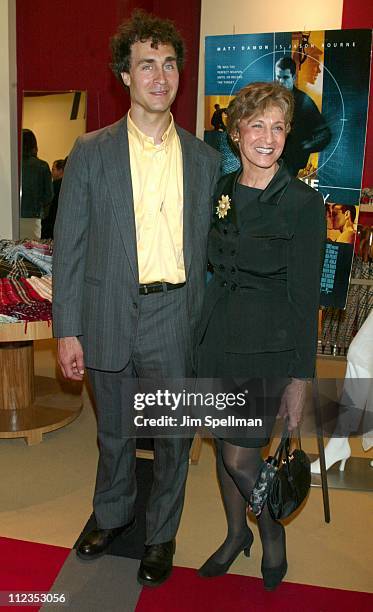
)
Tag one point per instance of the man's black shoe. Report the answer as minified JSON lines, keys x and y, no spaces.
{"x":156,"y":564}
{"x":95,"y":543}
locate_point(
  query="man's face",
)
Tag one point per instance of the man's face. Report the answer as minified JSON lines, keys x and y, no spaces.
{"x":153,"y":78}
{"x":339,"y":217}
{"x":285,"y":78}
{"x":56,"y":172}
{"x":313,"y":69}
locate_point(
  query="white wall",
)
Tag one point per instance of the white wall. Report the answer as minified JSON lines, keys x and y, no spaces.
{"x":9,"y":201}
{"x":48,"y":116}
{"x":256,"y":16}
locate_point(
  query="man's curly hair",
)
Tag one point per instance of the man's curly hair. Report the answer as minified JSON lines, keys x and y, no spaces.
{"x":142,"y":27}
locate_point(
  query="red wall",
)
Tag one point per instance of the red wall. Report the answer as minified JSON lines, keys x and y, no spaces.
{"x":64,"y":44}
{"x":359,"y":14}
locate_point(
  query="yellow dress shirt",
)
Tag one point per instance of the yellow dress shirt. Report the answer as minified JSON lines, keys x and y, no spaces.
{"x":157,"y":184}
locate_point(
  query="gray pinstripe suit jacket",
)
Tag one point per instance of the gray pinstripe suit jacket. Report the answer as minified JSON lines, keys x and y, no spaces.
{"x":95,"y":272}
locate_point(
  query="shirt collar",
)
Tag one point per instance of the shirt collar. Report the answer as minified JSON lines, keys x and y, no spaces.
{"x":145,"y":141}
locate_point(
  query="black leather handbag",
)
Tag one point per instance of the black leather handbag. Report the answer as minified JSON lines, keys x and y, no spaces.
{"x":283,"y":481}
{"x":291,"y":482}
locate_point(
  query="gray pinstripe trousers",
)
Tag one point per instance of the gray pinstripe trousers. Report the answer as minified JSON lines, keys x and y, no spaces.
{"x":162,"y":349}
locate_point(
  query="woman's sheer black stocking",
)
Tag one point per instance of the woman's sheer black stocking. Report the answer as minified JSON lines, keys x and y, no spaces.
{"x":238,"y":467}
{"x":235,"y":505}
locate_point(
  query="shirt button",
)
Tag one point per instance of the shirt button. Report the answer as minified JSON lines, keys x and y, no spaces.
{"x":221,"y":267}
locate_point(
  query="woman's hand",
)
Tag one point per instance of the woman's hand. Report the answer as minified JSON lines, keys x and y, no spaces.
{"x":292,"y":402}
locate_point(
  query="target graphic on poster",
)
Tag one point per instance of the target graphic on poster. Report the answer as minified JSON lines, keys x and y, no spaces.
{"x":318,"y":135}
{"x":328,"y":73}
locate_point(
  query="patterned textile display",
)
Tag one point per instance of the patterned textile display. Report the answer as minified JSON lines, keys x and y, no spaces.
{"x":340,"y":326}
{"x":7,"y":319}
{"x":15,"y":268}
{"x":25,"y":281}
{"x":24,"y":300}
{"x":43,"y":286}
{"x":36,"y":255}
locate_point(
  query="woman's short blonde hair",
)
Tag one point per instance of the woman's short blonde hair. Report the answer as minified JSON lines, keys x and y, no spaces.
{"x":255,"y":99}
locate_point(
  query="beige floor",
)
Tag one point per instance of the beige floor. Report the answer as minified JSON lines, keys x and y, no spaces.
{"x":46,"y":497}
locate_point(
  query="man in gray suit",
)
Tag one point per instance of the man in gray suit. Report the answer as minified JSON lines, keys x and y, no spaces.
{"x":129,"y":273}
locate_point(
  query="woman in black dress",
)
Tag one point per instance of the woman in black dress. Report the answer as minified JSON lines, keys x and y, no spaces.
{"x":260,"y":312}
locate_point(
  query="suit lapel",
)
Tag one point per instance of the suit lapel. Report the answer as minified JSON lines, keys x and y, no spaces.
{"x":190,"y":194}
{"x":116,"y":163}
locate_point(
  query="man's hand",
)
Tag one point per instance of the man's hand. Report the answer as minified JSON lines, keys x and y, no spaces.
{"x":70,"y":358}
{"x":292,"y":402}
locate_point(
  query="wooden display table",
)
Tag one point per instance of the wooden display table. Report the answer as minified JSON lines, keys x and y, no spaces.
{"x":31,"y":405}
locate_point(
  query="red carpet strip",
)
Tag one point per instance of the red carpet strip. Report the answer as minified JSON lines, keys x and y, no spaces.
{"x":26,"y":566}
{"x":185,"y":591}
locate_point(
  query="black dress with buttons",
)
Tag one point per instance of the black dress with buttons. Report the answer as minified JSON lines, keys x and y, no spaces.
{"x":260,"y":310}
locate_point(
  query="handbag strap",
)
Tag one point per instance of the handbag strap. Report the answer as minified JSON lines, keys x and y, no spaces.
{"x":290,"y":435}
{"x":299,"y":438}
{"x":284,"y":445}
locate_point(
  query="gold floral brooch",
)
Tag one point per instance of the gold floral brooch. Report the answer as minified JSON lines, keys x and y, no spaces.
{"x":223,"y":206}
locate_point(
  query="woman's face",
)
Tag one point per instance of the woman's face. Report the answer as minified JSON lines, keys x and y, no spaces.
{"x":261,"y":138}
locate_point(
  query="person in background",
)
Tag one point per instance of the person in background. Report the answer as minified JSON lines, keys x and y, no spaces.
{"x":217,"y":118}
{"x":356,"y":403}
{"x":129,"y":268}
{"x":37,"y":191}
{"x":260,"y":315}
{"x":47,"y":224}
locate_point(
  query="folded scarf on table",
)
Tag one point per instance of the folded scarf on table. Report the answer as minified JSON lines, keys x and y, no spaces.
{"x":37,"y":311}
{"x":7,"y":319}
{"x":10,"y":268}
{"x":32,"y":293}
{"x":43,"y":286}
{"x":8,"y":293}
{"x":12,"y":252}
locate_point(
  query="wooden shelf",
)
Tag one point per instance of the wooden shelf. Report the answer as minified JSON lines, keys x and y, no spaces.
{"x":31,"y":406}
{"x":366,"y":208}
{"x":17,"y":332}
{"x":52,"y":408}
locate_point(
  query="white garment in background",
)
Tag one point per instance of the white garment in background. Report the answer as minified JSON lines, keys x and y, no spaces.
{"x":360,"y":365}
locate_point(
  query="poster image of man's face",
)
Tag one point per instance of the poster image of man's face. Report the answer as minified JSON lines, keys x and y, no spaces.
{"x":285,"y":77}
{"x":312,"y":67}
{"x":339,"y":217}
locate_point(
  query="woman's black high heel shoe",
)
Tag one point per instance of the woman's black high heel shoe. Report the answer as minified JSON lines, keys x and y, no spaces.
{"x":272,"y":576}
{"x":212,"y":568}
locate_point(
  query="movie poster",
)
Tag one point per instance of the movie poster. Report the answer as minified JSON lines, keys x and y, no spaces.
{"x":328,"y":74}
